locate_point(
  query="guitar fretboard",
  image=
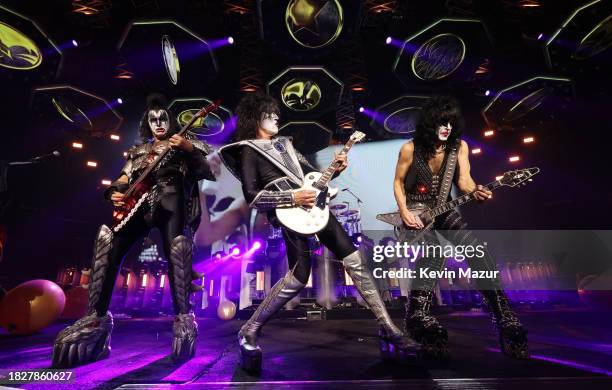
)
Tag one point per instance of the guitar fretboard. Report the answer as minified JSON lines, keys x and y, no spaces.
{"x":448,"y":206}
{"x":329,"y":172}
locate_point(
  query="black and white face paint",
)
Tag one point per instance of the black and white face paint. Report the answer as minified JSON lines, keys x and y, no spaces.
{"x":159,"y":123}
{"x":444,"y":131}
{"x":269,"y":122}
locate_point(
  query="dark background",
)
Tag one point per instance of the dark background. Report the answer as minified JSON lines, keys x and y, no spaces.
{"x":52,"y":209}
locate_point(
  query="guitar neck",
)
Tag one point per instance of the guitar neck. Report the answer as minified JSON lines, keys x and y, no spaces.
{"x":461,"y":200}
{"x":329,"y":172}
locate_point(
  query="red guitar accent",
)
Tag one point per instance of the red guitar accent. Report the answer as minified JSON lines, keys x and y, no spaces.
{"x":138,"y":191}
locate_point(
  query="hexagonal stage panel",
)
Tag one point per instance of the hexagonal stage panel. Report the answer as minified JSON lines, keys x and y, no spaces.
{"x":306,"y":92}
{"x":308,"y":137}
{"x":399,"y":116}
{"x":448,"y":50}
{"x":214,"y":126}
{"x":26,"y":52}
{"x":586,"y":34}
{"x":509,"y":106}
{"x":163,"y":55}
{"x":70,"y":109}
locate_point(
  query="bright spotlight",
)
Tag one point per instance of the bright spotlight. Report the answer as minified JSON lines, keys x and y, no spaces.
{"x":75,"y":43}
{"x":388,"y":40}
{"x":361,"y":109}
{"x":230,"y":40}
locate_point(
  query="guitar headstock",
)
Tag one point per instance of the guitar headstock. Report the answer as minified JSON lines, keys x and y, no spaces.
{"x":208,"y":109}
{"x":357,"y":136}
{"x":519,"y":176}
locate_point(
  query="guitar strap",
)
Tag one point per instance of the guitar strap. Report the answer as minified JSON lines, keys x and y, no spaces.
{"x":447,"y":179}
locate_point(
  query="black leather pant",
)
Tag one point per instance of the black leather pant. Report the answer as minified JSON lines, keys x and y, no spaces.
{"x":298,"y":253}
{"x":170,"y":224}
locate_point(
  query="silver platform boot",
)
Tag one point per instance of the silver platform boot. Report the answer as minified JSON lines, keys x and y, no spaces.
{"x":250,"y":352}
{"x":88,"y":339}
{"x":393,"y":343}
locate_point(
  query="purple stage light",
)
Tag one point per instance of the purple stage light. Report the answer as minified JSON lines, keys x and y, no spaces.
{"x":257,"y":245}
{"x":487,"y":92}
{"x":235,"y":251}
{"x":119,"y":100}
{"x":361,"y":109}
{"x":540,"y":36}
{"x":75,"y":43}
{"x":388,"y":40}
{"x":230,"y":40}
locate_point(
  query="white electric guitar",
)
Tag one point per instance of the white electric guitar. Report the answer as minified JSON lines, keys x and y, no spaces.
{"x":310,"y":221}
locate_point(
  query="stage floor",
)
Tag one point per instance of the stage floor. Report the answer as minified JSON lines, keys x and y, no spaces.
{"x":570,"y":348}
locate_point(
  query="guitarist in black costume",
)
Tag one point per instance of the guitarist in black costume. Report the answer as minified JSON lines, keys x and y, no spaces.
{"x":173,"y":207}
{"x":424,"y":174}
{"x":269,"y":168}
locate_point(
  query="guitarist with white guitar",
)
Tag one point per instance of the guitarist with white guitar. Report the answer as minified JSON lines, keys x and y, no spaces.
{"x":275,"y":177}
{"x":426,"y":168}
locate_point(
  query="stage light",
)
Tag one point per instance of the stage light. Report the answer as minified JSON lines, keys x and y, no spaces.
{"x":540,"y":36}
{"x":106,"y":182}
{"x":514,"y":158}
{"x":77,"y":145}
{"x":528,"y":140}
{"x":162,"y":282}
{"x":358,"y":89}
{"x":388,"y":40}
{"x":257,"y":245}
{"x":235,"y":251}
{"x":115,"y":137}
{"x":75,"y":43}
{"x":92,"y":164}
{"x":361,"y":109}
{"x":476,"y":151}
{"x":487,"y":92}
{"x":144,"y":280}
{"x":219,"y":255}
{"x":119,"y":100}
{"x":489,"y":133}
{"x":230,"y":40}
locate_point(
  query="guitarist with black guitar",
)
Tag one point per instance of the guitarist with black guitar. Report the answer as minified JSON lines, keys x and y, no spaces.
{"x":157,"y":187}
{"x":427,"y":167}
{"x":275,"y":177}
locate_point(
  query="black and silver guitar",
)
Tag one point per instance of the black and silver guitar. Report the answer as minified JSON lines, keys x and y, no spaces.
{"x":428,"y":215}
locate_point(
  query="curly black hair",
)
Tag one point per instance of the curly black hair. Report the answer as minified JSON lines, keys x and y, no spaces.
{"x":438,"y":111}
{"x":249,"y":111}
{"x":156,"y":101}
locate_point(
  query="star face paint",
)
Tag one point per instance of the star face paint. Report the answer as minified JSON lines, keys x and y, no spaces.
{"x":269,"y":122}
{"x":159,"y":123}
{"x":444,"y":131}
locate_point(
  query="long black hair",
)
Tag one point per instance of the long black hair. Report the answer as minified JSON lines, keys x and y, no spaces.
{"x":438,"y":111}
{"x":156,"y":101}
{"x":249,"y":111}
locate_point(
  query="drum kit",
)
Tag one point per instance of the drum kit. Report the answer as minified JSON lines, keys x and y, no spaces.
{"x":350,"y":219}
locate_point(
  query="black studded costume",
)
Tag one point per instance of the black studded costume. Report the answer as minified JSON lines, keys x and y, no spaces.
{"x":172,"y":206}
{"x":423,"y":186}
{"x":270,"y":170}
